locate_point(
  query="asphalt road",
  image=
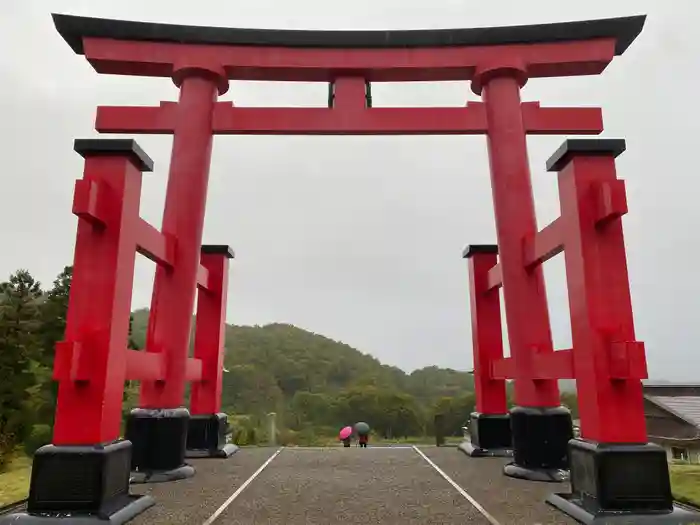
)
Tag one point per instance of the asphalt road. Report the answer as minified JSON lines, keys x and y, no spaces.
{"x":388,"y":486}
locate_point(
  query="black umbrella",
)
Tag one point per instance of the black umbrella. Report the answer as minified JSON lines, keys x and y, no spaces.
{"x":362,"y":428}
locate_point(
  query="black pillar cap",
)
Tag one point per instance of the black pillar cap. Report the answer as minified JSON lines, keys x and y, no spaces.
{"x":588,"y":147}
{"x":103,"y":147}
{"x":218,"y":249}
{"x":479,"y":248}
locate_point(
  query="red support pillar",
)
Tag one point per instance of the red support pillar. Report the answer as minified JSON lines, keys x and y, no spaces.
{"x":609,"y":362}
{"x":540,"y":426}
{"x":183,"y":220}
{"x":90,"y":363}
{"x":161,"y":423}
{"x":206,"y":436}
{"x":489,"y":427}
{"x":613,"y":468}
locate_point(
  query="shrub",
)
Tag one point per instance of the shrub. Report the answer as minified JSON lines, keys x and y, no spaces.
{"x":39,"y":436}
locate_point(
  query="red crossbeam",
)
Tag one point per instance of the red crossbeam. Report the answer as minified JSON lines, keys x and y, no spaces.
{"x":144,"y":366}
{"x":151,"y":243}
{"x":540,"y":248}
{"x":555,"y":365}
{"x":72,"y":363}
{"x":429,"y":64}
{"x":230,"y":120}
{"x":86,"y":202}
{"x":545,"y":244}
{"x":203,"y":278}
{"x":159,"y":248}
{"x":626,"y":361}
{"x":193,"y":370}
{"x":149,"y":366}
{"x":495,"y":277}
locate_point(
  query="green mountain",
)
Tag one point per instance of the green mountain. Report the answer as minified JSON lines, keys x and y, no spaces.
{"x":270,"y":367}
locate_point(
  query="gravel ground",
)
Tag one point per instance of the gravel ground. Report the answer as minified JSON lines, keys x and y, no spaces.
{"x":510,"y":501}
{"x":191,"y":501}
{"x":350,"y":486}
{"x":326,"y":486}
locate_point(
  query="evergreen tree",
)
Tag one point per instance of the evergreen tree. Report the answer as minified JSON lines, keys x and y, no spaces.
{"x":54,"y":310}
{"x":20,"y":350}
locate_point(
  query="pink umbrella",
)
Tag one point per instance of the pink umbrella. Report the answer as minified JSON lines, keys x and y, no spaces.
{"x":345,"y":433}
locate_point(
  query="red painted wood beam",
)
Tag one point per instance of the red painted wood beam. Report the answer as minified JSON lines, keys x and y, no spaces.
{"x":545,"y":244}
{"x":151,"y":243}
{"x":555,"y":365}
{"x":149,"y":366}
{"x":193,"y":369}
{"x":542,"y":247}
{"x":431,"y":64}
{"x":230,"y":120}
{"x":203,"y":278}
{"x":626,"y":360}
{"x":144,"y":366}
{"x":495,"y":277}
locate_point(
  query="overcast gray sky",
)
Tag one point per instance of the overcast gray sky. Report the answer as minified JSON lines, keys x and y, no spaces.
{"x":359,"y":238}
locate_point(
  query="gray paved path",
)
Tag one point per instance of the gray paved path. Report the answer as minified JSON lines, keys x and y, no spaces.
{"x":510,"y":501}
{"x":388,"y":486}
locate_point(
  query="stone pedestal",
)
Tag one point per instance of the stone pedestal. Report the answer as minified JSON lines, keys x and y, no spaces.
{"x":159,"y":437}
{"x":620,"y":484}
{"x":206,"y":437}
{"x":490,"y":436}
{"x":82,"y":485}
{"x":540,"y":441}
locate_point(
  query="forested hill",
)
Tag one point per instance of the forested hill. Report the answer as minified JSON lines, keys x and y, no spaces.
{"x":268,"y":365}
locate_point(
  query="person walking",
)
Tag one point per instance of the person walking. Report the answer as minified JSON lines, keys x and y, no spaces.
{"x":345,"y":436}
{"x":362,"y":431}
{"x":363,"y":439}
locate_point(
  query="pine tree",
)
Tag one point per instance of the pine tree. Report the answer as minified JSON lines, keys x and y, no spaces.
{"x":20,"y":343}
{"x":54,"y":310}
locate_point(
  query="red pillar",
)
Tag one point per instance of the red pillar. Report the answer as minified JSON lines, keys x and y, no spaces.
{"x":523,"y":290}
{"x":183,"y":220}
{"x":90,"y":363}
{"x":540,"y":427}
{"x":613,"y":469}
{"x":210,"y":332}
{"x":489,"y":425}
{"x":487,"y":333}
{"x":208,"y":426}
{"x":609,"y":363}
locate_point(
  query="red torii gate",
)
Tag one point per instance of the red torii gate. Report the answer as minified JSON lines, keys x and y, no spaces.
{"x":201,"y":61}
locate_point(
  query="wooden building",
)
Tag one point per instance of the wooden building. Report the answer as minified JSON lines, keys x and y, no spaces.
{"x":672,"y":413}
{"x":673,"y":418}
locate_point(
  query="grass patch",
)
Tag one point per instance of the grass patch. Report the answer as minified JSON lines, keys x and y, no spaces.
{"x":14,"y":482}
{"x":685,"y":483}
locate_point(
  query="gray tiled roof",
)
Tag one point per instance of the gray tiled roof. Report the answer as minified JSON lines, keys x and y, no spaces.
{"x":686,"y":407}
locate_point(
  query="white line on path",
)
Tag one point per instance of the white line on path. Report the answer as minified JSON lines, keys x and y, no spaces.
{"x":459,"y":489}
{"x":240,"y":489}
